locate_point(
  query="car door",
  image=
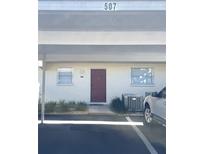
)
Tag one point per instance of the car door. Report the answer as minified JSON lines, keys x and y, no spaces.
{"x":160,"y":109}
{"x":159,"y":104}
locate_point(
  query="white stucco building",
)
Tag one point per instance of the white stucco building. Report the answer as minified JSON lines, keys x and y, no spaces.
{"x":94,"y":51}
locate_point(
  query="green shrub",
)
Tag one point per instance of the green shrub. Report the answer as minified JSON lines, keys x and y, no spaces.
{"x":39,"y":100}
{"x":39,"y":105}
{"x":50,"y":106}
{"x":117,"y":105}
{"x":71,"y":105}
{"x":39,"y":108}
{"x":81,"y":106}
{"x":62,"y":106}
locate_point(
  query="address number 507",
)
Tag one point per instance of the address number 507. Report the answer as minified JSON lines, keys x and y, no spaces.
{"x":110,"y":6}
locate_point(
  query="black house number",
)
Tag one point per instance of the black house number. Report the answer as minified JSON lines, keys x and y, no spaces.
{"x":110,"y":6}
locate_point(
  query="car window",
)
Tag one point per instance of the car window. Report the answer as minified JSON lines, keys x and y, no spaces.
{"x":162,"y":93}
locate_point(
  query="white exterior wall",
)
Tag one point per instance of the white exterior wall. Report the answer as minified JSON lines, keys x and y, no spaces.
{"x":118,"y":80}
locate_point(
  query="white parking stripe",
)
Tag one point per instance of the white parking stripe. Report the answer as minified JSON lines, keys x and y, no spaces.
{"x":91,"y":122}
{"x":143,"y":138}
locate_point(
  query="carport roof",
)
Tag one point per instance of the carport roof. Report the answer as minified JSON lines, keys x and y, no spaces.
{"x":102,"y":53}
{"x":102,"y":21}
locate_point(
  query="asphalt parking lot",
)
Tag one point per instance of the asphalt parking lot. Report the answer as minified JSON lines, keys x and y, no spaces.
{"x":99,"y":139}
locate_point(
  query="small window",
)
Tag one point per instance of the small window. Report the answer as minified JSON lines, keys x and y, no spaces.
{"x":141,"y":76}
{"x":64,"y":76}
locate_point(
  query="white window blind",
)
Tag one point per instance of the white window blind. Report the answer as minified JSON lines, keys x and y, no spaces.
{"x":141,"y":76}
{"x":64,"y":76}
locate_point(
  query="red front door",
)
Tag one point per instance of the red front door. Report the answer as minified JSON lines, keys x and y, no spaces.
{"x":98,"y":85}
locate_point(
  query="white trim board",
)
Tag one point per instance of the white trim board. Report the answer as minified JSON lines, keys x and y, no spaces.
{"x":102,"y":5}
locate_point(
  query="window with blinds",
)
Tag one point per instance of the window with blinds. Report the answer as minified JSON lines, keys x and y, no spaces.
{"x":64,"y":76}
{"x":141,"y":76}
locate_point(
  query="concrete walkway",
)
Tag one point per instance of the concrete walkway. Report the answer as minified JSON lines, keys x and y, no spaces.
{"x":99,"y":109}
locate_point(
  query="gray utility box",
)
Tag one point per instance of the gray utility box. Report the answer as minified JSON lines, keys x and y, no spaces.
{"x":133,"y":103}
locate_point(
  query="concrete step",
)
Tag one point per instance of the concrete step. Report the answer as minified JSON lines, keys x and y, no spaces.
{"x":99,"y":109}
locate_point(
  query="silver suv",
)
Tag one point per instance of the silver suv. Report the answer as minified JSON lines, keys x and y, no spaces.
{"x":155,"y":107}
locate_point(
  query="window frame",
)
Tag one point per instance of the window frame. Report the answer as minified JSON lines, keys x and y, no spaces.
{"x":142,"y":85}
{"x":57,"y":76}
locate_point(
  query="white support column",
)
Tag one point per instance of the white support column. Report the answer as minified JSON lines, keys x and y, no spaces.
{"x":43,"y":91}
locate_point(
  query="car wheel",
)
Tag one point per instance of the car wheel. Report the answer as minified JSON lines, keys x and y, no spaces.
{"x":148,"y":115}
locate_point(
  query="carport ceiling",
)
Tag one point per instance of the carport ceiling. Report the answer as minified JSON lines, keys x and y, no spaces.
{"x":102,"y":21}
{"x":98,"y":49}
{"x":102,"y":53}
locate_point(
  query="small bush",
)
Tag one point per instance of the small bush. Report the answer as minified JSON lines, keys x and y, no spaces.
{"x":71,"y":105}
{"x":81,"y":106}
{"x":39,"y":105}
{"x":50,"y":106}
{"x":117,"y":105}
{"x":39,"y":108}
{"x":62,"y":106}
